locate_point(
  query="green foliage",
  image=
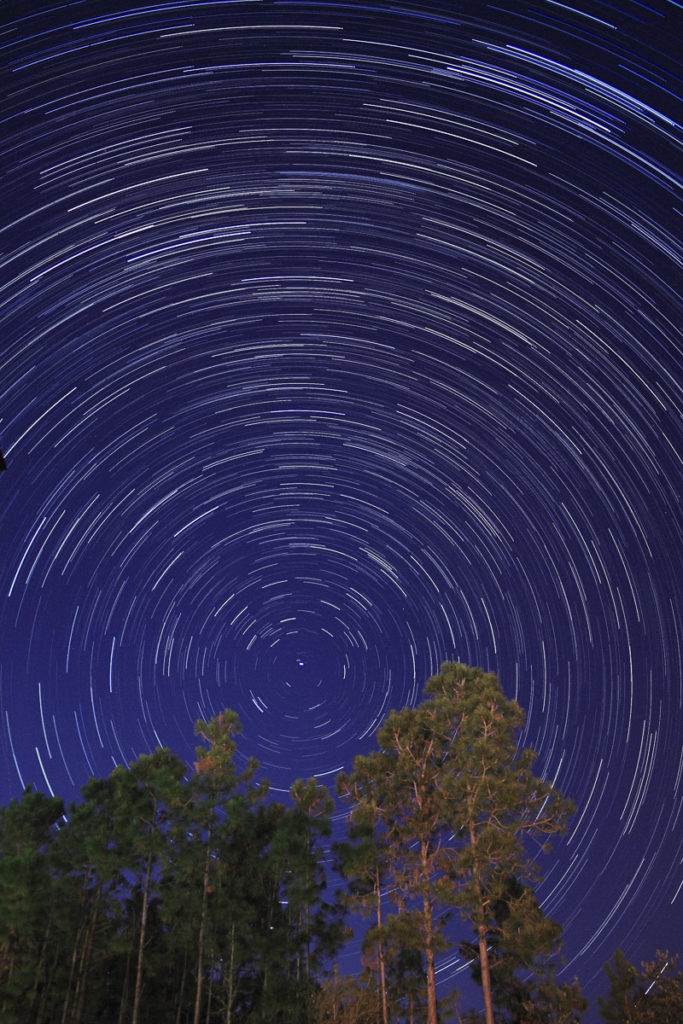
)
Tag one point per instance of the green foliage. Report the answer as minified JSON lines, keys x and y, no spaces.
{"x":521,"y":951}
{"x":164,"y":896}
{"x":27,"y":892}
{"x":651,"y":995}
{"x":343,"y":1000}
{"x":453,"y":803}
{"x":623,"y":981}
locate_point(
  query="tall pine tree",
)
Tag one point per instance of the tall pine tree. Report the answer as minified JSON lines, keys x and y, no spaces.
{"x":457,"y":803}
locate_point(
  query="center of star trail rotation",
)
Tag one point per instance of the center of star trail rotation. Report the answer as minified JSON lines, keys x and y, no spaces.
{"x":338,"y":340}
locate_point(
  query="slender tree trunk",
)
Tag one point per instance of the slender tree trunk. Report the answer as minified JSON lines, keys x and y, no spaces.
{"x":79,"y":932}
{"x":298,"y":955}
{"x":231,"y":969}
{"x":181,"y":992}
{"x":481,"y":936}
{"x":307,"y":920}
{"x":40,"y":970}
{"x":380,"y":949}
{"x":72,"y":971}
{"x":485,"y":973}
{"x":75,"y":951}
{"x":141,"y":943}
{"x":86,"y":954}
{"x":124,"y":990}
{"x":10,"y":972}
{"x":202,"y":932}
{"x":10,"y":968}
{"x":49,"y":983}
{"x":209,"y":999}
{"x":432,"y":1013}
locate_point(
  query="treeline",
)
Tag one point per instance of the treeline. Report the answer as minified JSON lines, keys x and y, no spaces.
{"x":196,"y":899}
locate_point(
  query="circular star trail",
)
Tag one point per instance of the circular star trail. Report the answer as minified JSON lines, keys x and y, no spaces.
{"x":340,"y":339}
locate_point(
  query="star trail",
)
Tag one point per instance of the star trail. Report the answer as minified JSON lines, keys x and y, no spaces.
{"x":338,"y":340}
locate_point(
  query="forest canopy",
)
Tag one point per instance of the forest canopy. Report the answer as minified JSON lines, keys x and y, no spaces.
{"x":168,"y":895}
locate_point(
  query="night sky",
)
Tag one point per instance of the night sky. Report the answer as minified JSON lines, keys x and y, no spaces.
{"x":338,"y":340}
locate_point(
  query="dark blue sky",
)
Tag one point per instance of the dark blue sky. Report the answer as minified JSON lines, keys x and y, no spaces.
{"x":340,"y":339}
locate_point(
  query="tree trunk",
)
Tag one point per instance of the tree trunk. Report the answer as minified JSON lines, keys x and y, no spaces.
{"x":40,"y":971}
{"x":231,"y":980}
{"x":432,"y":1013}
{"x":141,"y":944}
{"x":380,"y":949}
{"x":181,"y":991}
{"x":209,"y":999}
{"x":74,"y":960}
{"x":49,"y":984}
{"x":123,"y":1001}
{"x":80,"y":931}
{"x":481,"y":929}
{"x":10,"y":970}
{"x":202,"y":931}
{"x":86,"y":955}
{"x":485,"y":973}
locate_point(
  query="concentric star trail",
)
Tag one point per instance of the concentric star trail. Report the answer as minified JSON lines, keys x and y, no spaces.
{"x":340,"y":339}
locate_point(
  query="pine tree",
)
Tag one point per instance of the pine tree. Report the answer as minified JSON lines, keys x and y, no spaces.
{"x":342,"y":1000}
{"x":653,"y":995}
{"x":89,"y":861}
{"x":27,"y":830}
{"x":364,"y":861}
{"x":216,"y":780}
{"x":147,"y":797}
{"x":456,"y":803}
{"x":399,"y":785}
{"x":522,"y":948}
{"x":495,"y":803}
